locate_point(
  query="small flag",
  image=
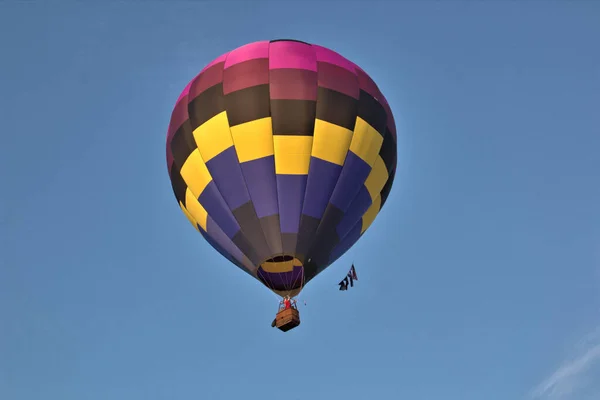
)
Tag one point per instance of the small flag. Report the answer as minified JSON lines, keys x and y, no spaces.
{"x":350,"y":278}
{"x":353,"y":272}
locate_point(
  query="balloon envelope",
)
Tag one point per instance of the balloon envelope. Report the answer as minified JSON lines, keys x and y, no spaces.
{"x":281,"y":154}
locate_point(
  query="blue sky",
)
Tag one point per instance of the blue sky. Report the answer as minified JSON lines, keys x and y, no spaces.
{"x":479,"y":279}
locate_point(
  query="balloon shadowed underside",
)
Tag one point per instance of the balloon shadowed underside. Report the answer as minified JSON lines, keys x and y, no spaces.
{"x":281,"y":154}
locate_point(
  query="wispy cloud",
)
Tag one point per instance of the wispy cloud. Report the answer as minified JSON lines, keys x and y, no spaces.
{"x":571,"y":375}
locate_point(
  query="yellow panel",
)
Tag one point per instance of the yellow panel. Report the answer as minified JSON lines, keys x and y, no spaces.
{"x":253,"y":139}
{"x":366,"y":141}
{"x":371,"y":213}
{"x":195,"y":174}
{"x":292,"y":154}
{"x":195,"y":209}
{"x":213,"y":136}
{"x":331,"y":142}
{"x":377,"y":178}
{"x":189,"y":217}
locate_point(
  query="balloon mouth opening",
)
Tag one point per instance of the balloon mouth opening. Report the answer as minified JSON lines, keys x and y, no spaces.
{"x":282,"y":273}
{"x":280,"y":264}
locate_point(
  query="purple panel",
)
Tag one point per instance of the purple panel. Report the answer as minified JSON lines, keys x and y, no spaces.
{"x":357,"y":209}
{"x":215,"y":206}
{"x":226,"y":173}
{"x":282,"y":280}
{"x":220,"y":238}
{"x":259,"y":175}
{"x":353,"y":176}
{"x":290,"y":191}
{"x":322,"y":178}
{"x":351,"y":238}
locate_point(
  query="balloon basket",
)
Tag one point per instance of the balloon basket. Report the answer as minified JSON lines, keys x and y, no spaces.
{"x":287,"y":319}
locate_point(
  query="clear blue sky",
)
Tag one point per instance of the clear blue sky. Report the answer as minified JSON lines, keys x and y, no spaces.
{"x":479,"y":280}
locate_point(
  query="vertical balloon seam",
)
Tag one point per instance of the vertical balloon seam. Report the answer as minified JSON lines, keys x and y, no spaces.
{"x":375,"y":200}
{"x":183,"y":202}
{"x":274,"y":155}
{"x":316,"y":239}
{"x":277,"y":182}
{"x":221,"y":250}
{"x":239,"y":263}
{"x":266,"y":278}
{"x":346,"y":241}
{"x":394,"y":138}
{"x":310,"y":161}
{"x":360,"y":220}
{"x":320,"y":268}
{"x":375,"y":207}
{"x":197,"y":195}
{"x":256,"y":270}
{"x":261,"y":277}
{"x":217,"y":231}
{"x":239,"y":164}
{"x":378,"y":202}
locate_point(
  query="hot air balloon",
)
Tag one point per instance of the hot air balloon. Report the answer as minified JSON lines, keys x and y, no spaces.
{"x":281,"y":154}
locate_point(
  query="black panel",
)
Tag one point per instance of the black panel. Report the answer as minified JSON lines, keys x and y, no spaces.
{"x":178,"y":184}
{"x":372,"y":112}
{"x":180,"y":113}
{"x":272,"y":230}
{"x":293,"y":117}
{"x":336,"y":108}
{"x":388,"y":151}
{"x":206,"y":105}
{"x":182,"y":144}
{"x":250,"y":225}
{"x":387,"y":188}
{"x":306,"y":235}
{"x":223,"y":252}
{"x":326,"y":237}
{"x":248,"y":104}
{"x":310,"y":271}
{"x":288,"y":241}
{"x":244,"y":245}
